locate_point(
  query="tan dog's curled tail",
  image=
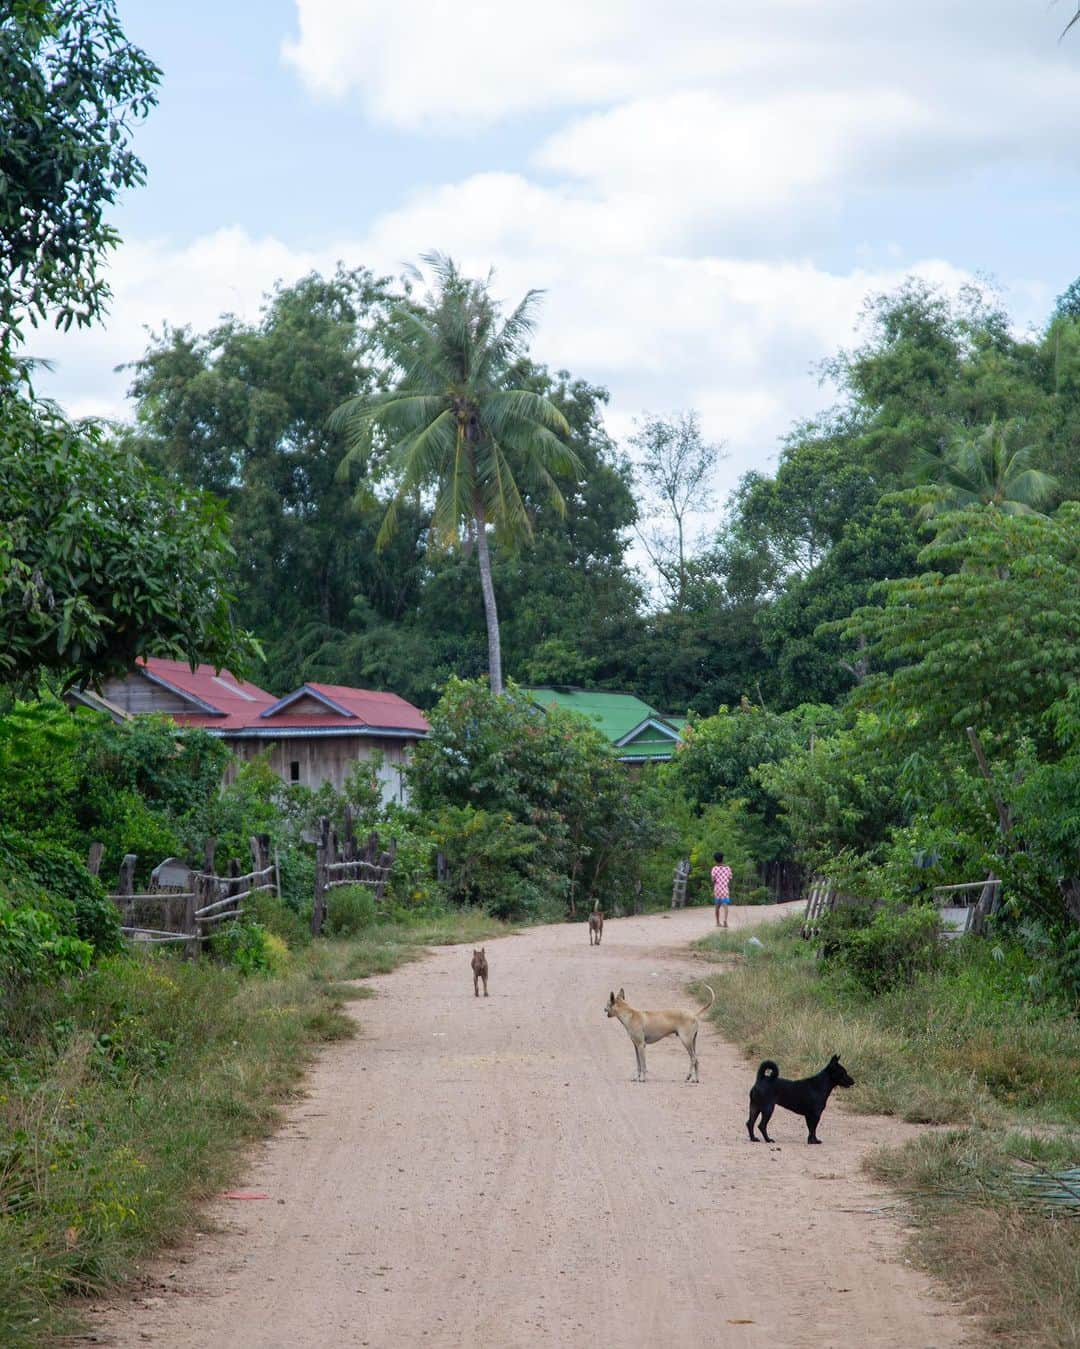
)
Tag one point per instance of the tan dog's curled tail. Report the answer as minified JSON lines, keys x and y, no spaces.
{"x":712,"y":998}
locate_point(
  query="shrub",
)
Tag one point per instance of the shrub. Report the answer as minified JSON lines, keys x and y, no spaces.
{"x":33,"y":945}
{"x":880,"y":948}
{"x":248,"y":947}
{"x":77,"y":899}
{"x":349,"y":909}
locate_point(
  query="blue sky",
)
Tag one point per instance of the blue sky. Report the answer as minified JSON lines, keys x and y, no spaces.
{"x":707,"y":191}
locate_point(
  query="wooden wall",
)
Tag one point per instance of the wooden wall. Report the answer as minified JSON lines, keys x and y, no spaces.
{"x":325,"y":759}
{"x":135,"y":693}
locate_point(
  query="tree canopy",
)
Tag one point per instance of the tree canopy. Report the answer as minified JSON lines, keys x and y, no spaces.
{"x":71,"y":88}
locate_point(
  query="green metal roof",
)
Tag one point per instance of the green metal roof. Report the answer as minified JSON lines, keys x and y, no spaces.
{"x":617,"y":715}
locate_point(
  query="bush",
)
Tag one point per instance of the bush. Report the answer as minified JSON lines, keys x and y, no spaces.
{"x":33,"y":945}
{"x":76,"y":899}
{"x":349,"y":909}
{"x":249,"y":948}
{"x":880,"y":948}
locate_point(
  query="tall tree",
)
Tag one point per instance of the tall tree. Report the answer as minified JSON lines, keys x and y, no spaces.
{"x":454,"y":424}
{"x":102,"y":561}
{"x":678,"y":466}
{"x":988,"y":468}
{"x":241,"y":411}
{"x":71,"y":85}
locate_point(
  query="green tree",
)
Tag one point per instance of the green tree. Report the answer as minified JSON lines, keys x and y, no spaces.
{"x":241,"y":411}
{"x":454,"y":425}
{"x":100,"y":560}
{"x":71,"y":86}
{"x":988,"y":468}
{"x":990,"y":637}
{"x":584,"y":824}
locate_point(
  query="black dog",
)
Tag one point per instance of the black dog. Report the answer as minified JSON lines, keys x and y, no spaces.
{"x":807,"y":1097}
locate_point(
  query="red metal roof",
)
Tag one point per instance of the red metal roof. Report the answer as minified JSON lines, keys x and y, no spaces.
{"x":236,"y":701}
{"x":233,"y":705}
{"x":346,"y":707}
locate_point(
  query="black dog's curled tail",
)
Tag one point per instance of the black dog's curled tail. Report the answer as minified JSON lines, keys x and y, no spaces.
{"x":768,"y":1069}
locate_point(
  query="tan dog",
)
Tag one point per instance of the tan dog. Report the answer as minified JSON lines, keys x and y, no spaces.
{"x":645,"y":1028}
{"x":479,"y":971}
{"x":596,"y":924}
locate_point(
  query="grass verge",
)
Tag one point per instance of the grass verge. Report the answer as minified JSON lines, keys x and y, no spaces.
{"x":962,"y":1046}
{"x":127,"y":1097}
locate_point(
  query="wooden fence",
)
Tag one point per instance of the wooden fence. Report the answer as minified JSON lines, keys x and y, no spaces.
{"x":182,"y":904}
{"x":678,"y":883}
{"x":963,"y":908}
{"x":345,"y":862}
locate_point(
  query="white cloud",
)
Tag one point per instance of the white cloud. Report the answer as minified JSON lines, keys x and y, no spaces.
{"x":691,"y":158}
{"x":734,"y":338}
{"x":155,"y":283}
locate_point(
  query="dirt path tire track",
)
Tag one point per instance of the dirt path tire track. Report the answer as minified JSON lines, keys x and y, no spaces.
{"x":483,"y":1172}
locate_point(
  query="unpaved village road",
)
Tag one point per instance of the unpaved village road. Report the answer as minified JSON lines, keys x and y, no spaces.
{"x":483,"y":1173}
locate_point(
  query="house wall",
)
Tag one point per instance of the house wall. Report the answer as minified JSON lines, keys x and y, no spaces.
{"x":135,"y":693}
{"x":321,"y":759}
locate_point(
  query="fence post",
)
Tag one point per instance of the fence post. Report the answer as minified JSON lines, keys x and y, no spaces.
{"x":192,"y":902}
{"x":322,"y":849}
{"x":209,"y":848}
{"x":348,"y":835}
{"x":126,"y":886}
{"x":93,"y":860}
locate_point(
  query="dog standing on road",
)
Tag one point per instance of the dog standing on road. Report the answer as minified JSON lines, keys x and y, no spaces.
{"x":645,"y":1028}
{"x":479,"y":971}
{"x":807,"y":1096}
{"x":596,"y":924}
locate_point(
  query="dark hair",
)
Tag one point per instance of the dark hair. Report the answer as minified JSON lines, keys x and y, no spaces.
{"x":718,"y":857}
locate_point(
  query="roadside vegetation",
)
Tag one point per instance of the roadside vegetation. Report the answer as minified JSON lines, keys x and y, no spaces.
{"x":952,"y":1037}
{"x":128,"y":1093}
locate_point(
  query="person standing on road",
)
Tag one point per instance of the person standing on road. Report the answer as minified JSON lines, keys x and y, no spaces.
{"x":721,"y":887}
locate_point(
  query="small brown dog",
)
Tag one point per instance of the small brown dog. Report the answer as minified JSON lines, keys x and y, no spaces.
{"x":479,"y":971}
{"x":596,"y":924}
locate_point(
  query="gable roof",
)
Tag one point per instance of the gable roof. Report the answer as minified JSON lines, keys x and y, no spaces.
{"x":637,"y":731}
{"x":229,"y":706}
{"x":217,"y":699}
{"x":384,"y":711}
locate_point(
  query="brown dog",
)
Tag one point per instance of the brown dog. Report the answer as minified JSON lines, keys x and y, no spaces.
{"x":645,"y":1028}
{"x":596,"y":924}
{"x":479,"y":971}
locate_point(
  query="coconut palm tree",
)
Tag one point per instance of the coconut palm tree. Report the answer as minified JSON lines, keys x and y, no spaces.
{"x":983,"y":469}
{"x":454,"y":428}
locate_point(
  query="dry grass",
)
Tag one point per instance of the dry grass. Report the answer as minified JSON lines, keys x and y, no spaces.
{"x":950,"y":1049}
{"x":127,"y":1097}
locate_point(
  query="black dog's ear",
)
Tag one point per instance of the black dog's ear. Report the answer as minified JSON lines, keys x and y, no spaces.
{"x":835,"y":1058}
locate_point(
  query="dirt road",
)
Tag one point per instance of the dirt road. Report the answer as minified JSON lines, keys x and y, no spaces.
{"x":483,"y":1173}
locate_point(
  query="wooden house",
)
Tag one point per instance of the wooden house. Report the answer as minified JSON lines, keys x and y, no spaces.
{"x":313,"y":735}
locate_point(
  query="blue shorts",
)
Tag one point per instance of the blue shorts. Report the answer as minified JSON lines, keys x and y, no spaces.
{"x":723,"y":901}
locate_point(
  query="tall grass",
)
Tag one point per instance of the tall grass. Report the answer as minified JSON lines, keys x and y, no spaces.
{"x":127,"y":1096}
{"x":962,"y":1045}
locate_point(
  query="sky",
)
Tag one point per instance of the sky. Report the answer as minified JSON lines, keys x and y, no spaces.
{"x":707,"y":191}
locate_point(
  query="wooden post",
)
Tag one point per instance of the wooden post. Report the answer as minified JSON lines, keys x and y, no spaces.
{"x":349,"y":836}
{"x":277,"y":874}
{"x":322,"y":849}
{"x":194,"y":900}
{"x":209,"y":848}
{"x":126,"y":886}
{"x":93,"y":860}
